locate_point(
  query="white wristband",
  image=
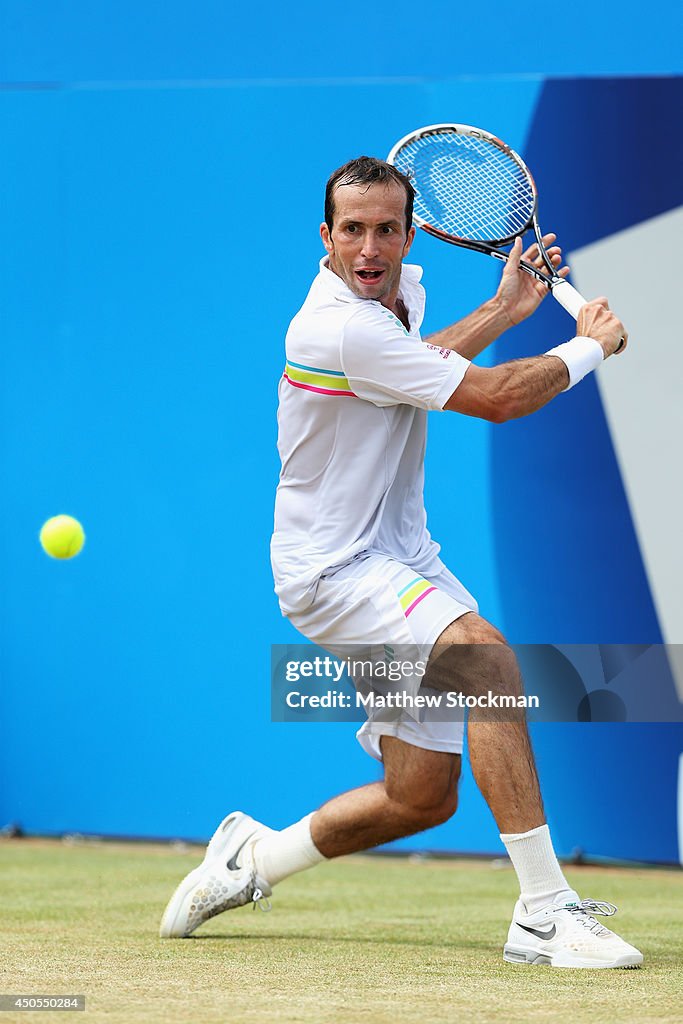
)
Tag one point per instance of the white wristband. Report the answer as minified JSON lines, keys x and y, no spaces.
{"x":580,"y":356}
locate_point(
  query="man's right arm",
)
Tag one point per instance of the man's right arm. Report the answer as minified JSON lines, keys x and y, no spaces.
{"x":518,"y":388}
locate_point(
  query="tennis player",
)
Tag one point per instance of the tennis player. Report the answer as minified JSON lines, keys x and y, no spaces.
{"x":354,"y":563}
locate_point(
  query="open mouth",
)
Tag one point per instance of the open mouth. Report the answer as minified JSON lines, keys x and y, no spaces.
{"x":369,"y":275}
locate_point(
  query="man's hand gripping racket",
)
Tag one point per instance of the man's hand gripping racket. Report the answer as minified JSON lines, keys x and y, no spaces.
{"x":472,"y":190}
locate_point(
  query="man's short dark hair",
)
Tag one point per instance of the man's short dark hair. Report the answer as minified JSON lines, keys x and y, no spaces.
{"x":366,"y":170}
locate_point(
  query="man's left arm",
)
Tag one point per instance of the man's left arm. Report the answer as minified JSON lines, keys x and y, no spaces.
{"x":518,"y":296}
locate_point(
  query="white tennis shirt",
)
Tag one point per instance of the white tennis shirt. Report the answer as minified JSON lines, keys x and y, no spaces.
{"x":352,"y":426}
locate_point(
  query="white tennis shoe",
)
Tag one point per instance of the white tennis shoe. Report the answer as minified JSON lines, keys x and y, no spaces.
{"x":567,"y":935}
{"x":222,"y":881}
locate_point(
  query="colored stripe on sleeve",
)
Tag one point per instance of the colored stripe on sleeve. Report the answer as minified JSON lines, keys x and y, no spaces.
{"x":313,"y":378}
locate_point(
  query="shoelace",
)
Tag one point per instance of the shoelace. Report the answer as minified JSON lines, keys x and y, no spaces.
{"x":584,"y":911}
{"x":261,"y":901}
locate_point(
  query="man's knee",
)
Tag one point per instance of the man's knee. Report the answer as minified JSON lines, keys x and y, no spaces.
{"x":440,"y":811}
{"x":424,"y":810}
{"x":423,"y":784}
{"x":473,"y":657}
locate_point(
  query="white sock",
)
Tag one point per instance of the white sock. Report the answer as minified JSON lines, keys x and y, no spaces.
{"x":280,"y":854}
{"x":541,"y":880}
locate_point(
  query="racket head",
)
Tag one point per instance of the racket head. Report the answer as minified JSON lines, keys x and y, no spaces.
{"x":470,"y":186}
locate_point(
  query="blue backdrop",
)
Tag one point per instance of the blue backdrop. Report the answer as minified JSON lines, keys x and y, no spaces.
{"x":160,"y":230}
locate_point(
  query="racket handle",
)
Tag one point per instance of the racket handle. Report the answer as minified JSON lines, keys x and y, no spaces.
{"x":568,"y":297}
{"x":572,"y":301}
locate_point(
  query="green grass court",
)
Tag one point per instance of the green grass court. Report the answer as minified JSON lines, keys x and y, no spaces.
{"x":364,"y":939}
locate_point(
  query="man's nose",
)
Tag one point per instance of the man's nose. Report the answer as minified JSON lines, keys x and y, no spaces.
{"x":369,"y":247}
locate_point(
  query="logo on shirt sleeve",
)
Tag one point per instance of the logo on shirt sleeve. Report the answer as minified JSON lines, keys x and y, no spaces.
{"x":445,"y":352}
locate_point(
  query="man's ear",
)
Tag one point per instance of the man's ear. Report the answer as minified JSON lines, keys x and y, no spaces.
{"x":326,"y":237}
{"x":409,"y":241}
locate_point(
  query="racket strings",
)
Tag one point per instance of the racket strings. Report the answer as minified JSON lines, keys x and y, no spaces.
{"x":467,"y":186}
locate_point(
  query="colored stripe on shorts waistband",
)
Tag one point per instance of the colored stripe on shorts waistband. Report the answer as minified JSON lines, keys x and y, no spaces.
{"x":313,"y":378}
{"x":415,"y":591}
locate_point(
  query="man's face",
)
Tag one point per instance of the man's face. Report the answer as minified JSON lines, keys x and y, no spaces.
{"x":368,"y":239}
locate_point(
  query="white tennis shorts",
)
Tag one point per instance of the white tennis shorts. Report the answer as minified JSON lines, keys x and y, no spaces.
{"x":376,"y":600}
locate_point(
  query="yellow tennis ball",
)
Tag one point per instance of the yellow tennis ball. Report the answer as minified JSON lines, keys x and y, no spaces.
{"x":62,"y":537}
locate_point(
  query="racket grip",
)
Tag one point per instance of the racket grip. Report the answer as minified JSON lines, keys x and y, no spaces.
{"x":568,"y":297}
{"x":572,"y":301}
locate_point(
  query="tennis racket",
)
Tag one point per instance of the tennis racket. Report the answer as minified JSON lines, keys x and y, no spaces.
{"x":472,"y":190}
